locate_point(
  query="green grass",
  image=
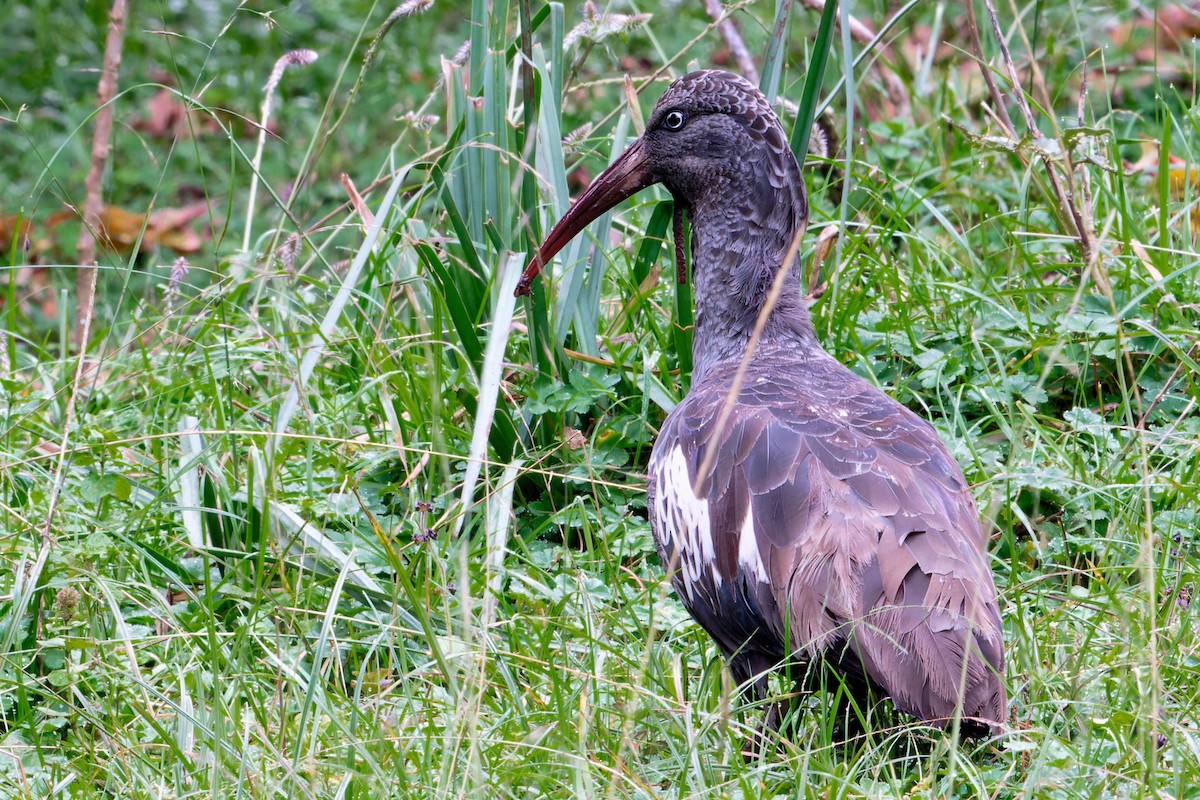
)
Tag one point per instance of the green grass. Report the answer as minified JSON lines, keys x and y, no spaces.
{"x":232,"y":571}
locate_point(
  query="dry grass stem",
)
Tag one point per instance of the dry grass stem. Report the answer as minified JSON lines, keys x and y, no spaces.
{"x":357,"y":203}
{"x":1066,"y":199}
{"x":859,"y":30}
{"x":733,"y":40}
{"x":863,"y":34}
{"x":1000,"y":112}
{"x":290,"y":59}
{"x":93,"y":204}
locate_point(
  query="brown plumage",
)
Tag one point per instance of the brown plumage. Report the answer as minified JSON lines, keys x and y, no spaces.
{"x":820,"y":520}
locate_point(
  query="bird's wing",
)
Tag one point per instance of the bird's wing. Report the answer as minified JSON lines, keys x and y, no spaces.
{"x":838,"y":518}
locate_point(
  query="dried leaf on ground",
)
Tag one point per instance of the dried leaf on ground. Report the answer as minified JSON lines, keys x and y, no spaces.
{"x":120,"y":228}
{"x":166,"y":116}
{"x":13,"y":227}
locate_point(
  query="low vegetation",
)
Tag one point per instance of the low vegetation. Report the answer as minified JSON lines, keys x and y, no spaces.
{"x":314,"y":508}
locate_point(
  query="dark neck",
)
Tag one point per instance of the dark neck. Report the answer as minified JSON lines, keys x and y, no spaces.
{"x":736,"y":255}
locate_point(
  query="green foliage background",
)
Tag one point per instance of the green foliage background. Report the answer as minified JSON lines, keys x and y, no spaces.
{"x":210,"y":589}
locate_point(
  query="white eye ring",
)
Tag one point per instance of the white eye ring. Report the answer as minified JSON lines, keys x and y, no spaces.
{"x":673,"y":121}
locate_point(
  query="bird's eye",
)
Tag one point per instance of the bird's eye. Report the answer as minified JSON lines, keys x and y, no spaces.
{"x":673,"y":121}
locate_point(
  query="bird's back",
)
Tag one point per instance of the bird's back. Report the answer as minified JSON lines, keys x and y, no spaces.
{"x":831,"y":521}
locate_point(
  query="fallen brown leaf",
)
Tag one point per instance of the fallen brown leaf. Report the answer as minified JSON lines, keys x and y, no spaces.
{"x":13,"y":227}
{"x":166,"y":116}
{"x":120,"y":228}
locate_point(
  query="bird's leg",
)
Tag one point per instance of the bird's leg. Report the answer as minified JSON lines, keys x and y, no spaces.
{"x":775,"y":715}
{"x":757,"y":743}
{"x":847,"y":692}
{"x":780,"y":716}
{"x":770,"y":726}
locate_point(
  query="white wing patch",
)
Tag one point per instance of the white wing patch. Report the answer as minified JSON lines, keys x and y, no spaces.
{"x":684,"y":523}
{"x":749,"y":558}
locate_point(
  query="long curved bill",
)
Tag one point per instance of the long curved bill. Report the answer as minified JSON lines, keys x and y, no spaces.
{"x":627,"y":176}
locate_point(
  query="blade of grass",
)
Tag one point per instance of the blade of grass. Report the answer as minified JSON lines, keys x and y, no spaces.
{"x":579,"y":303}
{"x":318,"y":659}
{"x":586,"y":311}
{"x":462,"y":316}
{"x":551,"y":164}
{"x":461,"y":229}
{"x":558,"y":32}
{"x":303,"y":539}
{"x":192,"y":446}
{"x":776,"y":51}
{"x":806,"y":112}
{"x":652,"y":241}
{"x":543,"y":352}
{"x":316,"y":347}
{"x":1164,"y":183}
{"x":526,"y":137}
{"x":499,"y":515}
{"x":489,"y":383}
{"x":685,"y":313}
